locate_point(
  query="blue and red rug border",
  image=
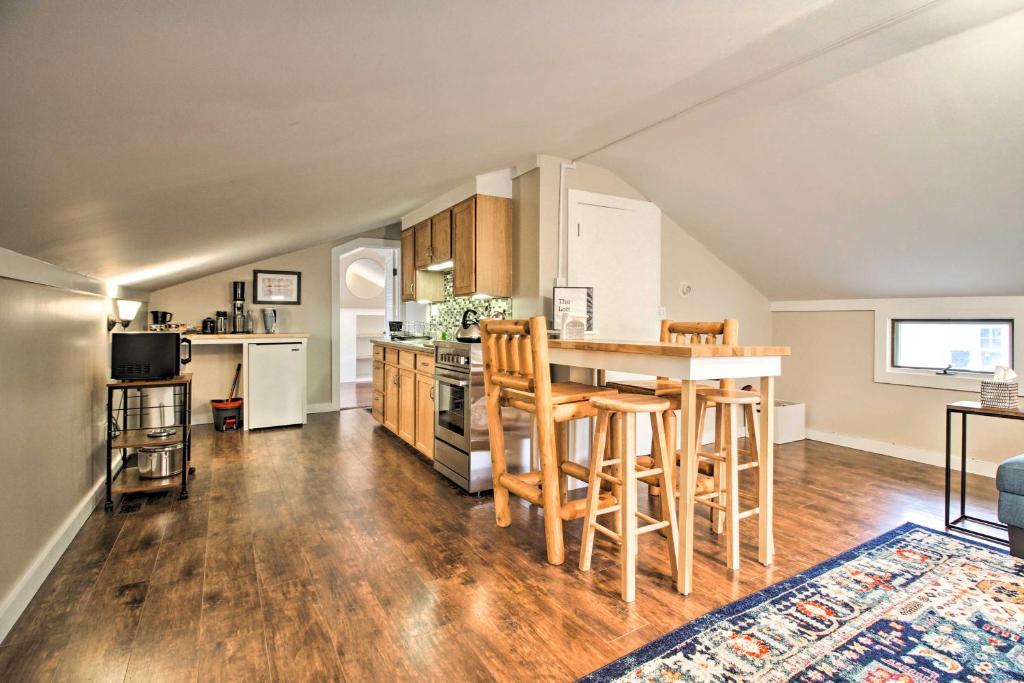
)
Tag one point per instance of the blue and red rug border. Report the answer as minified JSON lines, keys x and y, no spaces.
{"x":626,"y":663}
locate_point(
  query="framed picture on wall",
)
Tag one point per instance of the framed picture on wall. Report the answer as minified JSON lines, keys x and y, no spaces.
{"x":281,"y":287}
{"x":573,"y":302}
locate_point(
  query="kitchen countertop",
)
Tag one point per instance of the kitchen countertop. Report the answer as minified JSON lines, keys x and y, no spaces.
{"x":419,"y":345}
{"x":245,"y":337}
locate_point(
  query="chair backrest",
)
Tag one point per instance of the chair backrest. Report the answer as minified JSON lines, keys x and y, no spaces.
{"x":701,"y":332}
{"x":725,"y":333}
{"x":515,"y":355}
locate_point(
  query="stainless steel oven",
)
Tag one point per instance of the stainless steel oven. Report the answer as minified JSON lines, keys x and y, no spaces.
{"x":461,"y":442}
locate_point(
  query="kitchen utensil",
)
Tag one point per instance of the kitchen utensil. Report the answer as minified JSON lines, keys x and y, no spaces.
{"x":470,"y":331}
{"x":161,"y":317}
{"x":222,"y":322}
{"x":162,"y":430}
{"x":158,"y":462}
{"x":209,"y":326}
{"x":269,"y":319}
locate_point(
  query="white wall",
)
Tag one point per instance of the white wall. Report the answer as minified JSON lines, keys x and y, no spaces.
{"x":832,"y":371}
{"x":53,"y":366}
{"x":718,"y":291}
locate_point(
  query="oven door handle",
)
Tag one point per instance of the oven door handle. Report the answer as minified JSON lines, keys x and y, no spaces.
{"x":452,"y":382}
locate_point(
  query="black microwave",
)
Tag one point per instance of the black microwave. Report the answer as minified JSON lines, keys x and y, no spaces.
{"x":148,"y":355}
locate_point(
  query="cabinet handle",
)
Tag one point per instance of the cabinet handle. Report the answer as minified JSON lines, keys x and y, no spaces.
{"x":431,"y":393}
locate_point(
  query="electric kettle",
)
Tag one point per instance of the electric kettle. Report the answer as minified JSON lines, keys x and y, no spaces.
{"x":269,"y":320}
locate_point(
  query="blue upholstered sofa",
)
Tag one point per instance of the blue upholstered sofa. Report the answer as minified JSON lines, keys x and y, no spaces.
{"x":1010,"y":482}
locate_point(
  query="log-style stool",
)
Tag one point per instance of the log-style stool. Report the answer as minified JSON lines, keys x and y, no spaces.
{"x":622,"y":410}
{"x":725,"y":496}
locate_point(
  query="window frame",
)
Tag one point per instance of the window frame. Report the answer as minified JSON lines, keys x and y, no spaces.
{"x":981,"y":374}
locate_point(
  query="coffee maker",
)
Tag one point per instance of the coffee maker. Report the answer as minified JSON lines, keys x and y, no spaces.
{"x":238,"y":307}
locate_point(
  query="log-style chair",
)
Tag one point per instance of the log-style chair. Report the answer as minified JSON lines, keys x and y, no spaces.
{"x":725,"y":332}
{"x":517,"y":374}
{"x":622,"y":410}
{"x":725,"y":457}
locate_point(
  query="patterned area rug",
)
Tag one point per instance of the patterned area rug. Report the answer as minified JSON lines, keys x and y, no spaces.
{"x":912,"y":605}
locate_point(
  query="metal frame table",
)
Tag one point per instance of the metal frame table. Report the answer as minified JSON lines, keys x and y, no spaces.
{"x":959,"y":524}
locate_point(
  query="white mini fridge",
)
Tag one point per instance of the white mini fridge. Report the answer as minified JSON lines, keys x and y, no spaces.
{"x":276,"y":387}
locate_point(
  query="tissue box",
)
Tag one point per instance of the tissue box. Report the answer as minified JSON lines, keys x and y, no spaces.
{"x":999,"y":394}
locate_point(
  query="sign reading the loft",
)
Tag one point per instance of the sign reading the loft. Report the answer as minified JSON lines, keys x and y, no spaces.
{"x":573,"y":311}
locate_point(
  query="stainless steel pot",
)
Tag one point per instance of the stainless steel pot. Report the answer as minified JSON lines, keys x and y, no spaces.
{"x":157,"y":462}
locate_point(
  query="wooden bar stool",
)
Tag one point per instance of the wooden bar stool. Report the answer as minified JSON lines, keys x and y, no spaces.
{"x":726,"y":458}
{"x":517,"y":374}
{"x":725,"y":332}
{"x":621,"y":411}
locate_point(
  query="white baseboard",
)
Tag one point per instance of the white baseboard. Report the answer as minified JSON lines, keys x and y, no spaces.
{"x":15,"y":602}
{"x":895,"y":450}
{"x":320,"y":408}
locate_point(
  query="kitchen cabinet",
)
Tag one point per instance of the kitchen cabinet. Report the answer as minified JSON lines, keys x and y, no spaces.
{"x":424,"y":441}
{"x":405,"y":401}
{"x":407,"y":405}
{"x":482,"y":246}
{"x":418,"y":285}
{"x":422,"y":240}
{"x":391,"y":404}
{"x":441,"y":237}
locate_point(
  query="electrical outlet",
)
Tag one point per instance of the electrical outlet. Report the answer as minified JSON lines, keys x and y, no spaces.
{"x":662,"y":313}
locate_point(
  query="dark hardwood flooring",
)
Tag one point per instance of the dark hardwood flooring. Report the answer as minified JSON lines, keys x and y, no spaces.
{"x":333,"y":552}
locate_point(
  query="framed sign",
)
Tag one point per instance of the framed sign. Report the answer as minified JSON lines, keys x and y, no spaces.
{"x":276,"y":287}
{"x":573,"y":302}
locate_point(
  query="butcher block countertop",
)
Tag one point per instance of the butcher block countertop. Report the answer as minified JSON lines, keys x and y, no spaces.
{"x":420,"y":346}
{"x":246,"y":337}
{"x":667,"y":348}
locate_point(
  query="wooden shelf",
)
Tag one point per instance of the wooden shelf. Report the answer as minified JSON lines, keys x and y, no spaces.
{"x":182,"y":379}
{"x":135,"y":438}
{"x":129,"y":481}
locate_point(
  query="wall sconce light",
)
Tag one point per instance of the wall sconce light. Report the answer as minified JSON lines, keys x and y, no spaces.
{"x":126,"y":311}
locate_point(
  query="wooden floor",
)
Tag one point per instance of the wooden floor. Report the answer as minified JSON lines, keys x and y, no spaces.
{"x":332,"y":552}
{"x":355,"y":395}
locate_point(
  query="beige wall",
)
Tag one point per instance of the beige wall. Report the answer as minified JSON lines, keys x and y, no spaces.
{"x":53,"y":364}
{"x":718,"y":291}
{"x":832,"y":371}
{"x":212,"y":367}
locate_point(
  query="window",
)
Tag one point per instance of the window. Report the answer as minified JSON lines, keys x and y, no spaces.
{"x":960,"y":345}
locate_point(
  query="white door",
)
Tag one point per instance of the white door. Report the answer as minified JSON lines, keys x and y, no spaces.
{"x":276,"y":391}
{"x":614,"y":246}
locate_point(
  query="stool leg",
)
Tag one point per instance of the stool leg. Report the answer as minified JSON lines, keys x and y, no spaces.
{"x":614,"y":451}
{"x":754,"y":440}
{"x":627,"y":468}
{"x":719,"y":471}
{"x":593,"y":490}
{"x":732,"y":522}
{"x":562,"y":444}
{"x":549,"y":490}
{"x":665,"y":460}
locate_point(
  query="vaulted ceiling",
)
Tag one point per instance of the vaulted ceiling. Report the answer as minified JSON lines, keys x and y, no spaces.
{"x":823,"y":149}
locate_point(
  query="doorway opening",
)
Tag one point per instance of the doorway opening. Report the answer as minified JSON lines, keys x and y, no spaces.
{"x":365,"y":298}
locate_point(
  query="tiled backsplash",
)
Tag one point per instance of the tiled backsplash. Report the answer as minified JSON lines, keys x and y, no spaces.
{"x":446,"y":317}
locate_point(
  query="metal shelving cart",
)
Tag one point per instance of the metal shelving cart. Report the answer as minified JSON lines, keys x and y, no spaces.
{"x":122,"y":436}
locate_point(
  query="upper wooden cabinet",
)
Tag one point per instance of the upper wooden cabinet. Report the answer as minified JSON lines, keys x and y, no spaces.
{"x":418,"y":285}
{"x":408,"y":264}
{"x":482,"y":246}
{"x":423,"y":247}
{"x":441,"y":237}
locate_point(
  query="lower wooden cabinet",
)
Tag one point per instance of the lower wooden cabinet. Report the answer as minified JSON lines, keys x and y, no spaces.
{"x":403,"y":396}
{"x":407,"y":405}
{"x":425,"y":415}
{"x":391,"y":405}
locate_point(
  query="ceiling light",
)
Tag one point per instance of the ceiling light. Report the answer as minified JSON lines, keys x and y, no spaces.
{"x":443,"y":265}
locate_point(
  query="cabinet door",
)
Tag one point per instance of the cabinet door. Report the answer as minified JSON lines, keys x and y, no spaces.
{"x":391,"y":398}
{"x":464,"y":247}
{"x":407,"y":406}
{"x":408,"y":265}
{"x":425,"y":415}
{"x":377,"y":409}
{"x":423,"y":245}
{"x":378,"y":376}
{"x":441,"y":237}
